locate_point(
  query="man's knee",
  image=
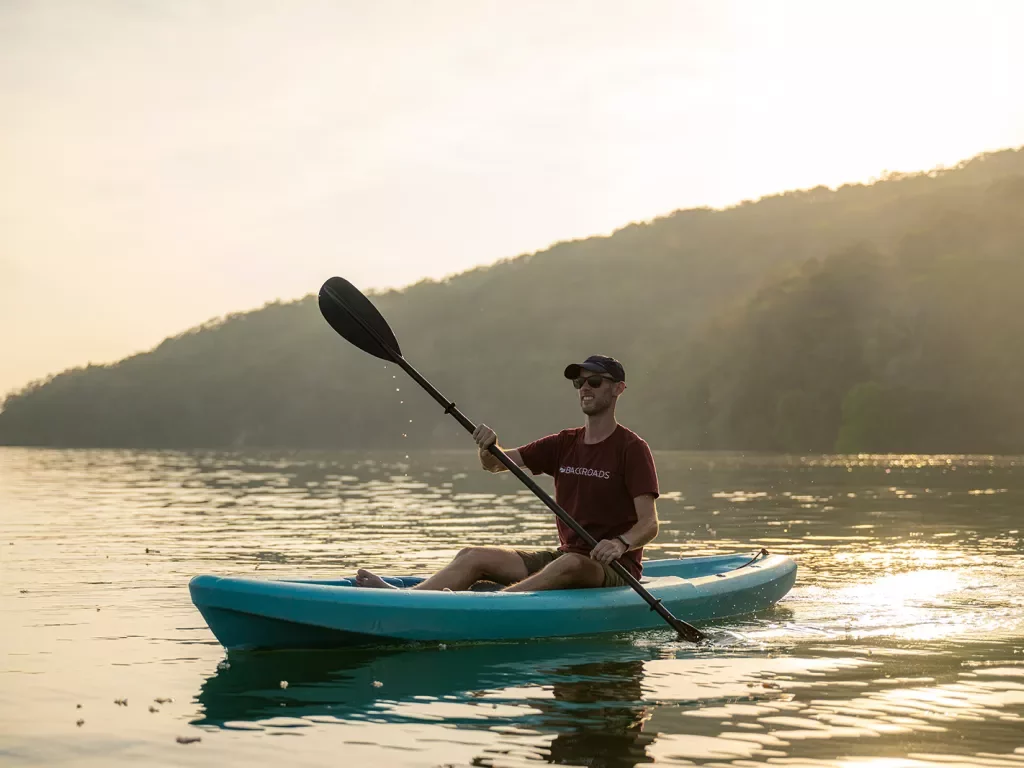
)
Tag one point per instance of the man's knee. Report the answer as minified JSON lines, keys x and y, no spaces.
{"x":474,"y":554}
{"x":575,"y":570}
{"x":481,"y":561}
{"x":572,"y":564}
{"x":494,"y":563}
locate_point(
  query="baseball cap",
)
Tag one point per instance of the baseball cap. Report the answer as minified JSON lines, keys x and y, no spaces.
{"x":597,"y":364}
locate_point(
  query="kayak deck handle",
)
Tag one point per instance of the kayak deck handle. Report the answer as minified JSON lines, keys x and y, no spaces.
{"x":762,"y":553}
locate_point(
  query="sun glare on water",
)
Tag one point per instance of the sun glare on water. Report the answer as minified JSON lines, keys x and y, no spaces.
{"x":909,"y":605}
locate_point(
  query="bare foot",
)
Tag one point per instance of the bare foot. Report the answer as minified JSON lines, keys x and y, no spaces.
{"x":365,"y":578}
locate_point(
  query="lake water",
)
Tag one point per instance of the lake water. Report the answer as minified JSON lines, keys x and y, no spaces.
{"x":902,"y":644}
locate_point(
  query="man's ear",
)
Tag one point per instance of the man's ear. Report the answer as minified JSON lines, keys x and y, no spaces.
{"x":620,"y":387}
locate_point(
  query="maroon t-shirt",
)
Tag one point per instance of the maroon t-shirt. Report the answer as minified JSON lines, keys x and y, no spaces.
{"x":596,"y":484}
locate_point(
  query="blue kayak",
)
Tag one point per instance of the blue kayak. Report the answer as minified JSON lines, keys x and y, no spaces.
{"x":249,"y":614}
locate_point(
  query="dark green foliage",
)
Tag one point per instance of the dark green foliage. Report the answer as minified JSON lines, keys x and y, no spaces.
{"x":872,"y":318}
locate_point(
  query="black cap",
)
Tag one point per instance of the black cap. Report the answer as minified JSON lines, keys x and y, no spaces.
{"x":597,"y":364}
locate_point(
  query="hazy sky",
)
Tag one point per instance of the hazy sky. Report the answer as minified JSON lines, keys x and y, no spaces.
{"x":165,"y":162}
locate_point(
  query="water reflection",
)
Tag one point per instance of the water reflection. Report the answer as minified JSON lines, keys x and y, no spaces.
{"x":595,"y":709}
{"x":607,"y":723}
{"x":247,"y":686}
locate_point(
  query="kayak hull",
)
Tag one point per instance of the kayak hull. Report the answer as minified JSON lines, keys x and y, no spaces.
{"x":246,"y":614}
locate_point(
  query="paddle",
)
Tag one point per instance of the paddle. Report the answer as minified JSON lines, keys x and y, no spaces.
{"x":353,"y":316}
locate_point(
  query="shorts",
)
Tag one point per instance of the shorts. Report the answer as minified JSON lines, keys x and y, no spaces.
{"x":536,"y":559}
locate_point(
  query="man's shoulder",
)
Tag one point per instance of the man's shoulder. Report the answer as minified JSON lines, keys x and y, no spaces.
{"x":562,"y":437}
{"x":566,"y":434}
{"x":628,"y":436}
{"x":566,"y":437}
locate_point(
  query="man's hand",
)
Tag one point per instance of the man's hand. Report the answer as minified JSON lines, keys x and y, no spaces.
{"x":608,"y":550}
{"x":484,"y":437}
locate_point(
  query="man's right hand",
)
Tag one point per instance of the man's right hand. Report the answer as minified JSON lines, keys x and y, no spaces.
{"x":484,"y":437}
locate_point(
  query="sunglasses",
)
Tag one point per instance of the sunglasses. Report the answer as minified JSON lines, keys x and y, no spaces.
{"x":594,"y":381}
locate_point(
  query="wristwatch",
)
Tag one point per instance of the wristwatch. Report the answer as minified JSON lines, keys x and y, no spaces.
{"x":626,"y":543}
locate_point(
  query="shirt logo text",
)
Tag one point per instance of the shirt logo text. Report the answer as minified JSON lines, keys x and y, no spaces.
{"x":585,"y":472}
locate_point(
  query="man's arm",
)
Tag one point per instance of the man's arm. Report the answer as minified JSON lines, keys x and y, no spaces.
{"x":485,"y":438}
{"x":642,"y":532}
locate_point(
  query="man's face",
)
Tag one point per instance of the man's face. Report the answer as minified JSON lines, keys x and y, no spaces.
{"x":595,"y":400}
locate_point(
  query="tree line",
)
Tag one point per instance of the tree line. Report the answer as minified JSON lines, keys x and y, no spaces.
{"x":871,"y":318}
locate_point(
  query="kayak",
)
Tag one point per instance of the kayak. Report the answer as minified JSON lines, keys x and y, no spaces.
{"x":247,"y":614}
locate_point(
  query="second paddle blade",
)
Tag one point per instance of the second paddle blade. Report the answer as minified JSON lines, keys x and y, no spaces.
{"x":353,"y":316}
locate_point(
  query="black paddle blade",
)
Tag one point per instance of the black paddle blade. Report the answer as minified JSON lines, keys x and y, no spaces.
{"x":353,"y":316}
{"x":688,"y":632}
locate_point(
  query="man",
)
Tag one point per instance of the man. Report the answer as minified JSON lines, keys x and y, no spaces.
{"x":604,"y":478}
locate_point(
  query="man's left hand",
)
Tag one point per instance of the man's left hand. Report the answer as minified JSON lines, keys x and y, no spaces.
{"x":608,"y":550}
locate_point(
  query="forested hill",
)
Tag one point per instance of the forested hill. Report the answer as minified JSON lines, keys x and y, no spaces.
{"x":882,"y":317}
